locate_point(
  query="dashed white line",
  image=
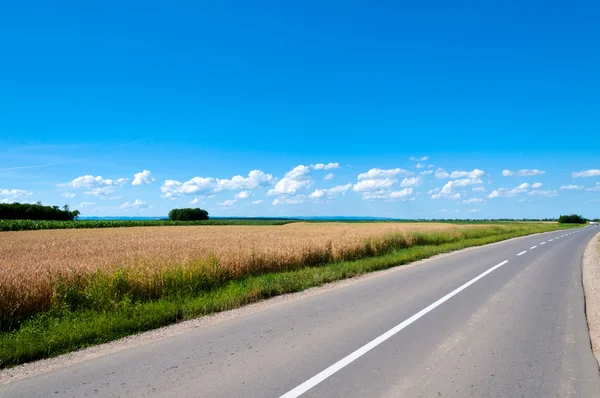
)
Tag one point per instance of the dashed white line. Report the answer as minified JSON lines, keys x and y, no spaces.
{"x":550,"y":240}
{"x":543,"y":243}
{"x":523,"y":252}
{"x":532,"y":247}
{"x":313,"y":381}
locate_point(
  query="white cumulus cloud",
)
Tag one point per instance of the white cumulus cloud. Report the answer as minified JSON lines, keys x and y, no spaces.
{"x":329,"y":176}
{"x":13,"y":195}
{"x":138,"y":204}
{"x":473,"y":200}
{"x":321,"y":166}
{"x":292,"y":200}
{"x":411,"y":182}
{"x":449,"y":189}
{"x":571,"y":187}
{"x":143,"y":178}
{"x":373,"y":185}
{"x":543,"y":192}
{"x":523,"y":173}
{"x":89,"y":181}
{"x":294,"y":180}
{"x":421,"y":159}
{"x":536,"y":185}
{"x":69,"y":195}
{"x":587,"y":173}
{"x":255,"y":179}
{"x":381,"y":173}
{"x":331,"y":192}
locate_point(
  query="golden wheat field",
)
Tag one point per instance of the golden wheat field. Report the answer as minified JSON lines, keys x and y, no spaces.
{"x":31,"y":261}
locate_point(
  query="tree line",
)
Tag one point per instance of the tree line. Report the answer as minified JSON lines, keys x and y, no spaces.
{"x":26,"y":211}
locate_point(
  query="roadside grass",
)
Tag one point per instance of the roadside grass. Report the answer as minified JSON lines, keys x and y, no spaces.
{"x":107,"y":307}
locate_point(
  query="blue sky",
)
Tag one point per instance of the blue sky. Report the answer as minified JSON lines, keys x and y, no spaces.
{"x":285,"y":94}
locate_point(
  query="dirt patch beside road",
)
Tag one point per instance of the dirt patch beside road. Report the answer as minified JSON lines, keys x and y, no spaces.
{"x":591,"y":285}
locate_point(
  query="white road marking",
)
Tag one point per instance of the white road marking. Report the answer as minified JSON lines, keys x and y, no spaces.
{"x":523,"y":252}
{"x":532,"y":247}
{"x":313,"y":381}
{"x":543,"y":243}
{"x":550,"y":240}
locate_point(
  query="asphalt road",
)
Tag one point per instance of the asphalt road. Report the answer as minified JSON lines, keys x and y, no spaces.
{"x":505,"y":320}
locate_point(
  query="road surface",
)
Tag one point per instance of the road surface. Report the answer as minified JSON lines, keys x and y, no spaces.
{"x":504,"y":320}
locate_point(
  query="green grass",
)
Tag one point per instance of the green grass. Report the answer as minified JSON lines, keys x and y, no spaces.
{"x":26,"y":225}
{"x":113,"y":310}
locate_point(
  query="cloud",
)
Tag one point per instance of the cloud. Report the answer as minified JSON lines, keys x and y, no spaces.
{"x":421,"y":159}
{"x":594,"y":189}
{"x":478,"y":189}
{"x":426,"y":172}
{"x":440,"y":173}
{"x":287,"y":186}
{"x":85,"y":205}
{"x":448,"y":191}
{"x":420,"y":165}
{"x":331,"y":192}
{"x":255,"y":179}
{"x":13,"y":195}
{"x":294,"y":180}
{"x":321,"y":166}
{"x":586,"y":173}
{"x":194,"y":201}
{"x":381,"y":173}
{"x":475,"y":173}
{"x":138,"y":204}
{"x":173,"y":188}
{"x":473,"y":211}
{"x":571,"y":187}
{"x":257,"y":202}
{"x":329,"y":176}
{"x":143,"y":177}
{"x":242,"y":195}
{"x":473,"y":200}
{"x":294,"y":200}
{"x":89,"y":181}
{"x":101,"y":192}
{"x":523,"y":173}
{"x":69,"y":195}
{"x":504,"y":192}
{"x":373,"y":185}
{"x":446,"y":196}
{"x":403,"y":194}
{"x":536,"y":185}
{"x":229,"y":202}
{"x":411,"y":182}
{"x":543,"y":192}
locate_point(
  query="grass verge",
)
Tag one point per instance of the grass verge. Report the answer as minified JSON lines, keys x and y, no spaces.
{"x":59,"y":331}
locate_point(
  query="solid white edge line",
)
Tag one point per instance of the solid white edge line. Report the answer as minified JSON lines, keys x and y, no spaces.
{"x":532,"y":247}
{"x":523,"y":252}
{"x":313,"y":381}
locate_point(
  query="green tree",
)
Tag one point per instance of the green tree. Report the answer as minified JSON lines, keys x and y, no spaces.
{"x":571,"y":219}
{"x":188,"y":214}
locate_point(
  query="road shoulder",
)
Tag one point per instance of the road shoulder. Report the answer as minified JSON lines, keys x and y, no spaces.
{"x":591,"y":285}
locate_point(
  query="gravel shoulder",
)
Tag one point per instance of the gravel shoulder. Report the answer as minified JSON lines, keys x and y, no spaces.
{"x":591,"y":286}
